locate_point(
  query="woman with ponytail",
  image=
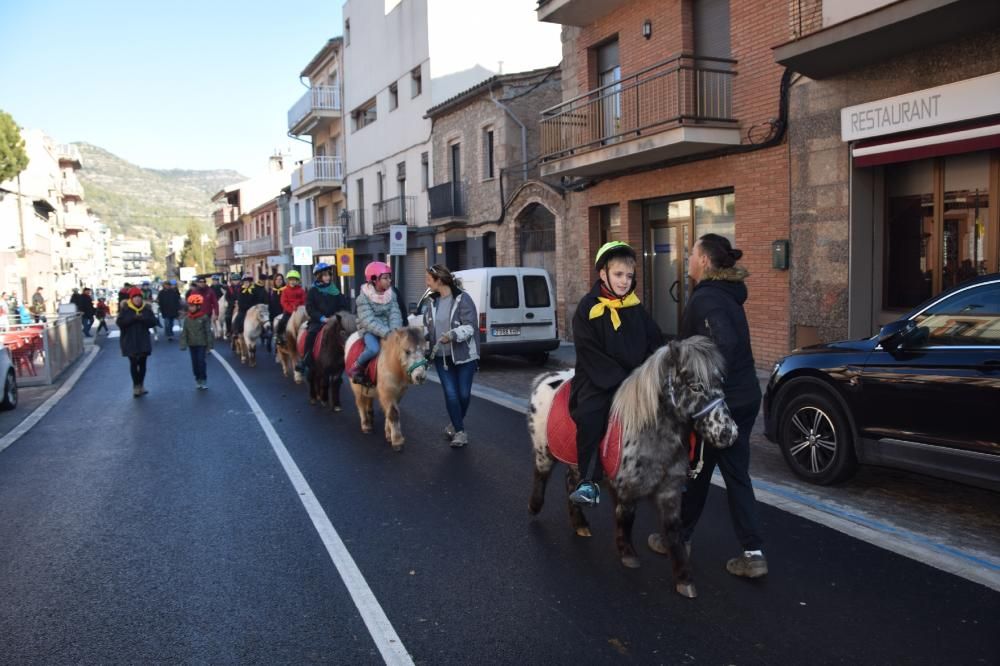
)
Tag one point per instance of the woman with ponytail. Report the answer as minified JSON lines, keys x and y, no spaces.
{"x":715,"y":310}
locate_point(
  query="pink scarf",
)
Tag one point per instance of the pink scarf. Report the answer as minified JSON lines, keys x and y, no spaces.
{"x":372,"y":294}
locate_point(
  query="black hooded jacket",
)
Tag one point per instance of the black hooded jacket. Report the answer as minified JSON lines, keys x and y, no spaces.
{"x":170,"y":302}
{"x":604,"y":356}
{"x":715,"y":310}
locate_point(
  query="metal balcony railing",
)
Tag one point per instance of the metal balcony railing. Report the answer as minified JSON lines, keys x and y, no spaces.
{"x":317,"y":98}
{"x":256,"y":246}
{"x":67,"y":152}
{"x":356,"y":223}
{"x":681,"y":90}
{"x":447,"y":200}
{"x":806,"y":17}
{"x":320,"y":239}
{"x":224,"y":254}
{"x":328,"y":170}
{"x":393,"y":211}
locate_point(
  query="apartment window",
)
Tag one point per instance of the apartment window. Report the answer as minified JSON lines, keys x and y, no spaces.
{"x":381,"y":186}
{"x":401,"y":178}
{"x":365,"y":114}
{"x":456,"y":162}
{"x":488,"y":157}
{"x":416,"y":83}
{"x":425,"y":169}
{"x":347,"y":32}
{"x":361,"y":198}
{"x":393,"y":97}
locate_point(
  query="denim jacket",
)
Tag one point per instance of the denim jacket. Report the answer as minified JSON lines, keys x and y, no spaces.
{"x":462,"y":328}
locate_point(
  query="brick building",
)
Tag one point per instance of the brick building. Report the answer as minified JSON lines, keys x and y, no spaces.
{"x":671,"y":127}
{"x":895,"y":167}
{"x":482,"y":141}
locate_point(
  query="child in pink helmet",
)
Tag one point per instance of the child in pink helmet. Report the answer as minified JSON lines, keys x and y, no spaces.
{"x":378,"y":314}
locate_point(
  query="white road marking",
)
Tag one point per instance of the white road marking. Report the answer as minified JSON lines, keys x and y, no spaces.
{"x":856,"y":523}
{"x":43,"y":409}
{"x":379,"y":627}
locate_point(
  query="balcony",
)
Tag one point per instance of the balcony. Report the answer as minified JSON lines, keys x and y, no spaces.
{"x":323,"y":240}
{"x":318,"y":175}
{"x":224,"y":255}
{"x":226,"y":215}
{"x":69,"y":154}
{"x":447,"y":203}
{"x":575,"y":12}
{"x":833,"y":38}
{"x":678,"y":107}
{"x":262,"y":246}
{"x":356,"y":224}
{"x":315,"y":109}
{"x":71,"y":188}
{"x":393,"y":211}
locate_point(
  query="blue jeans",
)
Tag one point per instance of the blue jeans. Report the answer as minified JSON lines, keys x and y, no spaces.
{"x":168,"y":324}
{"x":371,"y":349}
{"x":198,"y":364}
{"x":456,"y":381}
{"x":87,"y":323}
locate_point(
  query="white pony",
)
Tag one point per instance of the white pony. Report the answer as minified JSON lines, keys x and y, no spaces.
{"x":218,"y":323}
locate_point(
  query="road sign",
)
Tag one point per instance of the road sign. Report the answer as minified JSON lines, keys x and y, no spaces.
{"x":397,"y":240}
{"x":188,"y":273}
{"x":302,"y":255}
{"x":345,"y":262}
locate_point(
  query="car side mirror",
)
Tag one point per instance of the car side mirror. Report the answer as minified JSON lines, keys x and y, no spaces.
{"x":892,"y":335}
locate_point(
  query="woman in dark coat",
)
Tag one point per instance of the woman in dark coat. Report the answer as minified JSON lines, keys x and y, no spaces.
{"x":135,"y":318}
{"x":715,"y":310}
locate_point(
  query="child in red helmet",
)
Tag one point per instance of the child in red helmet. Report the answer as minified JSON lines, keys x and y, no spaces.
{"x":378,"y":314}
{"x":196,"y":337}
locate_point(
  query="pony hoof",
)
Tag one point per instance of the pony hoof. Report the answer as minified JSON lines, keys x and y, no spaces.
{"x":631,"y":561}
{"x":686,"y":590}
{"x":583,"y":532}
{"x":366,"y":431}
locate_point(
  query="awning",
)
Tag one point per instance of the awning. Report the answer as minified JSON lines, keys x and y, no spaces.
{"x":921,"y":145}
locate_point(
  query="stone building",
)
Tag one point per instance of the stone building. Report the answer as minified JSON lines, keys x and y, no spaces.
{"x":484,"y":141}
{"x":894,"y":160}
{"x":672,"y":126}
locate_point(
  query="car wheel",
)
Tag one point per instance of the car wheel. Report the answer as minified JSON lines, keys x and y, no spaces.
{"x":816,"y":439}
{"x":9,"y":400}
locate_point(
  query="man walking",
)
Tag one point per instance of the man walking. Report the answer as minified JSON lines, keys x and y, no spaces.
{"x":85,"y":305}
{"x":38,"y":305}
{"x":170,"y":307}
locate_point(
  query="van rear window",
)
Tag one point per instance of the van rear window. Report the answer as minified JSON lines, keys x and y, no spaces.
{"x":536,"y":291}
{"x":503,"y":292}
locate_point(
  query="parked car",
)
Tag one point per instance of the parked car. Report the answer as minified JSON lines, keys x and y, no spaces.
{"x":922,"y":395}
{"x":9,"y":399}
{"x":517,"y":310}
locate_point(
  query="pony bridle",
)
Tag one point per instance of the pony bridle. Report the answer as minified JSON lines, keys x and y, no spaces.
{"x":701,"y":413}
{"x":422,"y":363}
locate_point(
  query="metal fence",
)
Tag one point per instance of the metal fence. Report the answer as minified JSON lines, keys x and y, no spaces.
{"x":446,"y":200}
{"x":682,"y":89}
{"x":398,"y":210}
{"x":40,"y":352}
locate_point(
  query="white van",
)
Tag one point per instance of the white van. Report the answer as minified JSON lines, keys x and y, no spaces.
{"x":517,"y":310}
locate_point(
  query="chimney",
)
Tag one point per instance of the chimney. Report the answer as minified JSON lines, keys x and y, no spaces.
{"x":275,"y":163}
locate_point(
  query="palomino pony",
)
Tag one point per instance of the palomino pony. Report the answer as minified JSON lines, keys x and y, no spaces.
{"x":401,"y":362}
{"x":218,"y":322}
{"x":677,"y":388}
{"x":255,"y":324}
{"x":287,"y":354}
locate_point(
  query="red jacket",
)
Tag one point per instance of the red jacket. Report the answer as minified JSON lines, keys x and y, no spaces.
{"x":211,"y":305}
{"x":292,"y":298}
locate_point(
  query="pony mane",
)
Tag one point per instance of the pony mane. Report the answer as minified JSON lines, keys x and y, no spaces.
{"x":637,"y":401}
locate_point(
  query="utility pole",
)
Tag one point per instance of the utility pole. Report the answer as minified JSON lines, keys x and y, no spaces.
{"x":23,"y":252}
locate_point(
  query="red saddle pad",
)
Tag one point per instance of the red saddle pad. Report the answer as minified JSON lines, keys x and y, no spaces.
{"x":561,"y":433}
{"x":317,"y":343}
{"x":355,"y":352}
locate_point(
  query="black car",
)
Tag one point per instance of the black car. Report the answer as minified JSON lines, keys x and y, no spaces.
{"x":922,"y":395}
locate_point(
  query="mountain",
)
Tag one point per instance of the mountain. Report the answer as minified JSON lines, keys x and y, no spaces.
{"x":149,"y":203}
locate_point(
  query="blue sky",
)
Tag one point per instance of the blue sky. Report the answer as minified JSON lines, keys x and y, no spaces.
{"x":179,"y":84}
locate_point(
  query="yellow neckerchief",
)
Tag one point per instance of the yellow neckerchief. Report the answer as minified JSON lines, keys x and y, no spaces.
{"x":247,"y":290}
{"x":281,"y":288}
{"x":613,"y":305}
{"x":135,"y":309}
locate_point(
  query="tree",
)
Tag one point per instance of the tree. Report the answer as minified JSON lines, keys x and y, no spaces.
{"x":13,"y":159}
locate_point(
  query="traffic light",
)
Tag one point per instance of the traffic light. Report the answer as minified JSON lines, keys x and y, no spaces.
{"x":345,"y":262}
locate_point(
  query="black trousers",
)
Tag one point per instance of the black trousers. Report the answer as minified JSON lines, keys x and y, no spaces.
{"x":137,"y":368}
{"x":591,"y":418}
{"x":734,"y":463}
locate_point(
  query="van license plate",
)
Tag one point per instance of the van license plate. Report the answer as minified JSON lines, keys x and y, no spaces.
{"x":507,"y":330}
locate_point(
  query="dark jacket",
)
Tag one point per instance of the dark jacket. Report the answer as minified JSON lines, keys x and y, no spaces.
{"x":197,"y":332}
{"x":170,"y":303}
{"x":218,"y":290}
{"x":402,"y":306}
{"x":604,"y":356}
{"x":86,"y":305}
{"x":715,"y":310}
{"x":247,"y":299}
{"x":320,"y":305}
{"x":135,"y":327}
{"x":274,"y":302}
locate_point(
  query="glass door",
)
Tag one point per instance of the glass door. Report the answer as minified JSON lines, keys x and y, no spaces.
{"x":668,"y":258}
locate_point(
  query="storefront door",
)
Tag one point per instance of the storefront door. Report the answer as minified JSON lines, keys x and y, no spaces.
{"x":669,"y":245}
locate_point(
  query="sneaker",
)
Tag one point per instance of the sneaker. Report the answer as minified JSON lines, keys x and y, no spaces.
{"x":202,"y":385}
{"x":449,"y":431}
{"x":657,"y":544}
{"x":586,"y":494}
{"x":747,"y":565}
{"x":459,"y":440}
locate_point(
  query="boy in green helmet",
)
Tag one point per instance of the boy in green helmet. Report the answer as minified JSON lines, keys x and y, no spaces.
{"x":613,"y":336}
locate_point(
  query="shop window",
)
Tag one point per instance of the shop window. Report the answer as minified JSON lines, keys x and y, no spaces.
{"x":611,"y":221}
{"x":966,"y":218}
{"x":715,"y":215}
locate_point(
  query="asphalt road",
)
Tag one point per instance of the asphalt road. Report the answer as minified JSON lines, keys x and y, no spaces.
{"x":164,"y":529}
